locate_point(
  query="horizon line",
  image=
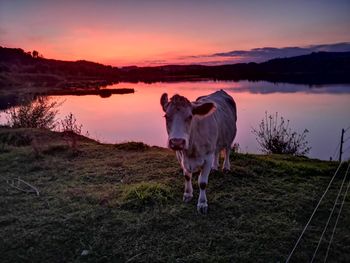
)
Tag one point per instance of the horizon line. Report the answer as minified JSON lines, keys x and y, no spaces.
{"x":305,"y":50}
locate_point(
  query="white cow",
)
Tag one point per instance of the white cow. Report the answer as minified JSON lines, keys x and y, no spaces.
{"x":198,"y":131}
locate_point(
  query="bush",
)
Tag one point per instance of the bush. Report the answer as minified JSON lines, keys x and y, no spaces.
{"x":275,"y":136}
{"x":38,"y":113}
{"x":69,"y":124}
{"x":71,"y":129}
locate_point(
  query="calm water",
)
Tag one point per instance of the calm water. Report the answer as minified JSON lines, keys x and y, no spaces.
{"x":323,"y":110}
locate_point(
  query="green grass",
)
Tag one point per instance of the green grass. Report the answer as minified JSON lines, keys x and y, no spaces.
{"x":124,"y":203}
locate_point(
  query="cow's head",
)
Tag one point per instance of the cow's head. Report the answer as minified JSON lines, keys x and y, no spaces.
{"x":179,"y":112}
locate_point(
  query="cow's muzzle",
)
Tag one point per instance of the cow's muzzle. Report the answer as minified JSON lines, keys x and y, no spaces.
{"x":177,"y":144}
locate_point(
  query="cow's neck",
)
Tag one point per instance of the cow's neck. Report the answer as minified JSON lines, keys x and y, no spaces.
{"x":199,"y":143}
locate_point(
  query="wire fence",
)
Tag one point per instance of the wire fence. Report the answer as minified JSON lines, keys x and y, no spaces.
{"x":335,"y":154}
{"x":347,"y":149}
{"x":346,"y":143}
{"x":335,"y":203}
{"x":337,"y":220}
{"x":330,"y":215}
{"x":339,"y":150}
{"x":312,"y":215}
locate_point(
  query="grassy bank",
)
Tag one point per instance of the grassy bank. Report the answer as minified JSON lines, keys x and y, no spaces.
{"x":123,"y":203}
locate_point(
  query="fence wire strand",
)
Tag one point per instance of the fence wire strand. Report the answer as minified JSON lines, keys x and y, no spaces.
{"x":330,"y":215}
{"x":340,"y":210}
{"x":312,"y":215}
{"x":336,"y":153}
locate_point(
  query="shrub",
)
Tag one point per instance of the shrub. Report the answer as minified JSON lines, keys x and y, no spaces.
{"x":275,"y":136}
{"x":38,"y":113}
{"x":69,"y":124}
{"x":71,"y":129}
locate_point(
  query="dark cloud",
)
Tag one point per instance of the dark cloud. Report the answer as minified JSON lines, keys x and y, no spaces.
{"x":245,"y":56}
{"x":266,"y":53}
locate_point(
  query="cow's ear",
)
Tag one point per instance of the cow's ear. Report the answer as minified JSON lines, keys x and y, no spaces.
{"x":203,"y":109}
{"x":164,"y":101}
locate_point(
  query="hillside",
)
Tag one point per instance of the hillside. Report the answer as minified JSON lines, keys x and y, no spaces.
{"x":21,"y":70}
{"x":122,"y":203}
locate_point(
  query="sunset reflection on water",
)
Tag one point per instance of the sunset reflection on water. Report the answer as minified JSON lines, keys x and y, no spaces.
{"x":139,"y":117}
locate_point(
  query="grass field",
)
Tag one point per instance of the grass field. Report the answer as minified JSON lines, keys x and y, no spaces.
{"x":123,"y":203}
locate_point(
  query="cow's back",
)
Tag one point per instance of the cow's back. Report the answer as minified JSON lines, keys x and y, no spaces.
{"x":225,"y":117}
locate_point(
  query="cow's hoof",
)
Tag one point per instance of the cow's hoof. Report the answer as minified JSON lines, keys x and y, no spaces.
{"x":202,"y":208}
{"x":187,"y":197}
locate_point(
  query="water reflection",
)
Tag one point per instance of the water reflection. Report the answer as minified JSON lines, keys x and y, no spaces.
{"x":268,"y":88}
{"x":324,"y":111}
{"x":7,"y":101}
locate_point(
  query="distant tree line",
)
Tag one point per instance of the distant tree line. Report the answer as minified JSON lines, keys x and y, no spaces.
{"x":315,"y":68}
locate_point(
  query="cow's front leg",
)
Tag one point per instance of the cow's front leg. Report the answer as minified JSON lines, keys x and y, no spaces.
{"x":188,"y":194}
{"x":202,"y":205}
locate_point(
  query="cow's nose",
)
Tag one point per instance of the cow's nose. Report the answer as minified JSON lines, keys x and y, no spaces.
{"x":177,"y":144}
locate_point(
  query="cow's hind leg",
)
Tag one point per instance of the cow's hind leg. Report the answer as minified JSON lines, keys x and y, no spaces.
{"x":188,"y":194}
{"x":202,"y":205}
{"x":226,"y":166}
{"x":215,"y":165}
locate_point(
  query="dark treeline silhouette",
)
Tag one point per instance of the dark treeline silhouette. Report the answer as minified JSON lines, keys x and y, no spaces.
{"x":315,"y":68}
{"x":16,"y":60}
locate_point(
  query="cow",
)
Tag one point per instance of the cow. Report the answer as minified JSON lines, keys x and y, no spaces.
{"x":198,"y":131}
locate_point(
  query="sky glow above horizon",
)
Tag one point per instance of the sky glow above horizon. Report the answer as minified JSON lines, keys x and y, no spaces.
{"x":123,"y":33}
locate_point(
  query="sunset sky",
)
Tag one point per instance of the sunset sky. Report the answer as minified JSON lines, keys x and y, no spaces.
{"x":161,"y":32}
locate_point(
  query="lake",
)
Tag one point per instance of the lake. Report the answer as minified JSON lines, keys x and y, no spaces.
{"x":323,"y":110}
